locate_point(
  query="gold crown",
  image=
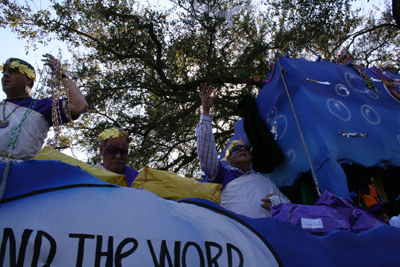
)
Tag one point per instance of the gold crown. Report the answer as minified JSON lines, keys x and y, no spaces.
{"x":111,"y":133}
{"x":24,"y":69}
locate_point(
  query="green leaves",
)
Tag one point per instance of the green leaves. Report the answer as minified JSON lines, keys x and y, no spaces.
{"x":141,"y":68}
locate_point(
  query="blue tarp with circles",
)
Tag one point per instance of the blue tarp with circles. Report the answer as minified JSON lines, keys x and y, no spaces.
{"x":339,"y":118}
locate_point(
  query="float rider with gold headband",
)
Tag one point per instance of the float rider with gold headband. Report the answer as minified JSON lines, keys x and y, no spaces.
{"x":24,"y":121}
{"x":114,"y":148}
{"x":243,"y":191}
{"x":344,"y":57}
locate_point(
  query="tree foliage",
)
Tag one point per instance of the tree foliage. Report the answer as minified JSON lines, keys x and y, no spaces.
{"x":140,"y":68}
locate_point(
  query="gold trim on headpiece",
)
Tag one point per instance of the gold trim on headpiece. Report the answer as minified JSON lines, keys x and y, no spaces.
{"x":24,"y":69}
{"x":228,"y":149}
{"x":111,"y":133}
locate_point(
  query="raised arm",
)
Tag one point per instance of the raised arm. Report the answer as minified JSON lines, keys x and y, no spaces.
{"x":206,"y":149}
{"x":206,"y":101}
{"x":77,"y":102}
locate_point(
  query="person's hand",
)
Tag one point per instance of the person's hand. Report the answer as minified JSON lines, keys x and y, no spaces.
{"x":50,"y":61}
{"x":206,"y":101}
{"x":266,"y":202}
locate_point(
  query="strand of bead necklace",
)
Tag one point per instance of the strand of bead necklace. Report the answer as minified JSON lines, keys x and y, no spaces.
{"x":268,"y":79}
{"x":55,"y":109}
{"x":368,"y":80}
{"x":4,"y":123}
{"x":56,"y":113}
{"x":68,"y":102}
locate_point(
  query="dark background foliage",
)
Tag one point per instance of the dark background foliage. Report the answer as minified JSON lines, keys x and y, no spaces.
{"x":140,"y":68}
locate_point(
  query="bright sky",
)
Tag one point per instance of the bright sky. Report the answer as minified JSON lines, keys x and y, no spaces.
{"x":11,"y":46}
{"x":14,"y":47}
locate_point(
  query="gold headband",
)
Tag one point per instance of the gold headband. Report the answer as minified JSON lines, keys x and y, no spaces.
{"x":228,"y":149}
{"x":24,"y":69}
{"x":111,"y":133}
